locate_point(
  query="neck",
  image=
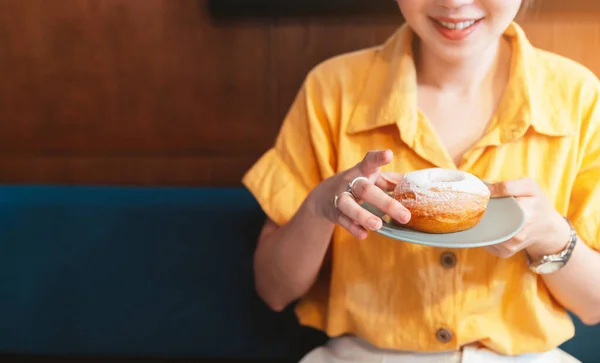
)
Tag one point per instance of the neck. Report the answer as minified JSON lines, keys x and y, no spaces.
{"x":465,"y":76}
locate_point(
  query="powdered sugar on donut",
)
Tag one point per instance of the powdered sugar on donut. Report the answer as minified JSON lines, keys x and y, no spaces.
{"x":442,"y":192}
{"x":434,"y":180}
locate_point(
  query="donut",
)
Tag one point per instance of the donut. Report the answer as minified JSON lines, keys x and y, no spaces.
{"x":442,"y":200}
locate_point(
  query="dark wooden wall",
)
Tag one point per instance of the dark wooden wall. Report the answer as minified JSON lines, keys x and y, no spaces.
{"x":156,"y":92}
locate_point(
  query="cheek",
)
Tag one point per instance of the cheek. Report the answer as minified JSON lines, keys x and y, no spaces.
{"x":505,"y":9}
{"x":410,"y":9}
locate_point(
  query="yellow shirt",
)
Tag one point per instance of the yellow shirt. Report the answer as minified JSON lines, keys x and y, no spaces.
{"x":401,"y":295}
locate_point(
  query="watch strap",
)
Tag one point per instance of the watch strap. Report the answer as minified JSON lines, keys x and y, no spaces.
{"x":568,"y":251}
{"x":560,"y":258}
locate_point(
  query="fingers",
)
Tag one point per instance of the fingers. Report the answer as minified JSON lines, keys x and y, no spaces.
{"x":514,"y":188}
{"x":510,"y":247}
{"x":353,"y":217}
{"x":349,"y":208}
{"x":371,"y":163}
{"x":494,"y":251}
{"x":372,"y":194}
{"x":388,"y":180}
{"x":352,"y":227}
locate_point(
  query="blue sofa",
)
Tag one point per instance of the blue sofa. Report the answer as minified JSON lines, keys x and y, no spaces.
{"x":145,"y":272}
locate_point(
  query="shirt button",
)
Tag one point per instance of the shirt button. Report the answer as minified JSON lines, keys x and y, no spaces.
{"x":443,"y":335}
{"x":448,"y":259}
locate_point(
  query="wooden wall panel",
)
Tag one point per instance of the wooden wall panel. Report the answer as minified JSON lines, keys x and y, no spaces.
{"x":156,"y":92}
{"x":147,"y":77}
{"x":299,"y":45}
{"x":128,"y":91}
{"x":574,"y":35}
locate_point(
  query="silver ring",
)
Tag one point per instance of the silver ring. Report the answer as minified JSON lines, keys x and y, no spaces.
{"x":351,"y":186}
{"x":337,"y":197}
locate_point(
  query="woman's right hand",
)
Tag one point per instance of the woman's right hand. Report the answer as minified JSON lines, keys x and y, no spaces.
{"x":339,"y":196}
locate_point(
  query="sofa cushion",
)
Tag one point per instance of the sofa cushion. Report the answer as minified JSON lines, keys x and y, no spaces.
{"x":134,"y":271}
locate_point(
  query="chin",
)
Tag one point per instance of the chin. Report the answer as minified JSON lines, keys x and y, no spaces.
{"x":454,"y":54}
{"x":457,"y":56}
{"x":457,"y":52}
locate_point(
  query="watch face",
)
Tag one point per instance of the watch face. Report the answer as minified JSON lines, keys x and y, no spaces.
{"x":550,"y":267}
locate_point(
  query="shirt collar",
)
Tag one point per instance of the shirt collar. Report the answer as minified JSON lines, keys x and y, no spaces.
{"x":390,"y":93}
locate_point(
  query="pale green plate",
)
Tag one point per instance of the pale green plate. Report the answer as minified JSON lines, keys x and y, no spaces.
{"x":502,"y":220}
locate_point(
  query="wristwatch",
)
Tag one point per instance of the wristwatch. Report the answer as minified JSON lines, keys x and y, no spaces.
{"x":552,"y":263}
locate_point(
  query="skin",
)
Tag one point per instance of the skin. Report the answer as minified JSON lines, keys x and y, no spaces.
{"x":461,"y":78}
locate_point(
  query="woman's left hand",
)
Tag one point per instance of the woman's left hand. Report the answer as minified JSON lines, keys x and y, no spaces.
{"x":545,"y":231}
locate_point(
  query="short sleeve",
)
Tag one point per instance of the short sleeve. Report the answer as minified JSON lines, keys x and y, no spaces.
{"x":584,"y":206}
{"x":302,"y":156}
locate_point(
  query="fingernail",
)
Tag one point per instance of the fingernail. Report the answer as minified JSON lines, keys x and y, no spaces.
{"x":404,"y":216}
{"x":373,"y":223}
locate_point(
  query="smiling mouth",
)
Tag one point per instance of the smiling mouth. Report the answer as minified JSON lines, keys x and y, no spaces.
{"x":457,"y":25}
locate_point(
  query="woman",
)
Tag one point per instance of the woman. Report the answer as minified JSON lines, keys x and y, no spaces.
{"x":459,"y":87}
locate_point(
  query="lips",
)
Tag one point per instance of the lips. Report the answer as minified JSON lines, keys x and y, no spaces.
{"x":456,"y":29}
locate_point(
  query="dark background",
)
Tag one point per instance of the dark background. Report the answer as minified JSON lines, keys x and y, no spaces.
{"x":269,"y":8}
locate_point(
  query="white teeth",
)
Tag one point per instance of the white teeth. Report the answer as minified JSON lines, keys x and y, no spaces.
{"x":460,"y":26}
